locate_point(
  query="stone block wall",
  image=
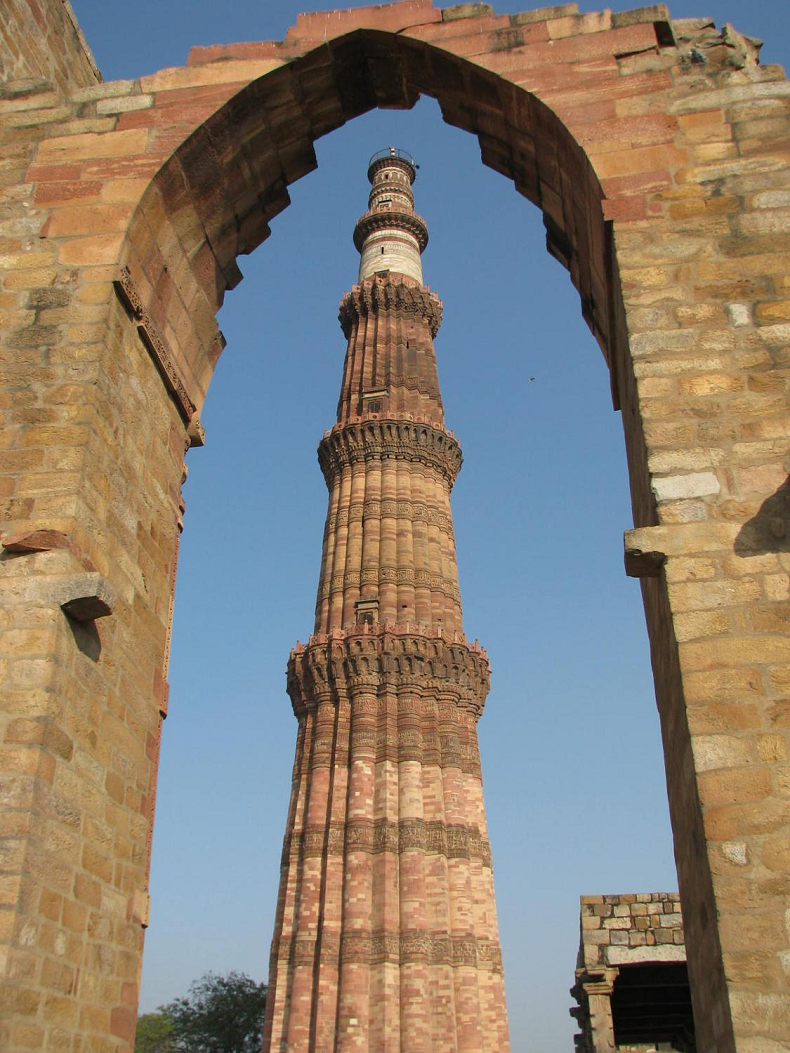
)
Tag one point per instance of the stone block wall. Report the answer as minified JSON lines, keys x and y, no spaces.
{"x":663,"y":184}
{"x":40,"y":40}
{"x":631,"y":986}
{"x":633,"y":927}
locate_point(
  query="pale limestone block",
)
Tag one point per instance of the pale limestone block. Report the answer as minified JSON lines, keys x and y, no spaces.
{"x":775,"y":335}
{"x":675,"y":487}
{"x":773,"y":221}
{"x":685,"y":511}
{"x":680,"y":460}
{"x":712,"y":752}
{"x":777,"y":586}
{"x":125,"y":104}
{"x":617,"y":923}
{"x":84,"y":596}
{"x":666,"y":340}
{"x":671,"y":921}
{"x":771,"y":199}
{"x":667,"y":952}
{"x":107,"y":90}
{"x":736,"y":852}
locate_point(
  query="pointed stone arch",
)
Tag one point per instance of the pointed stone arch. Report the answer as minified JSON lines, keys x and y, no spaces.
{"x":133,"y":201}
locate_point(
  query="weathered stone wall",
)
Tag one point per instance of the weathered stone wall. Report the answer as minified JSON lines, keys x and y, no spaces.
{"x":40,"y":40}
{"x":633,"y":929}
{"x":616,"y":928}
{"x":663,"y":183}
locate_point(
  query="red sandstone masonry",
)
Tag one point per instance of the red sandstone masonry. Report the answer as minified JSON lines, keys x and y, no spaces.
{"x":693,"y":274}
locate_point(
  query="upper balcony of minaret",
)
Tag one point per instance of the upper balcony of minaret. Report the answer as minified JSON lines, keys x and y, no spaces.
{"x":390,"y":236}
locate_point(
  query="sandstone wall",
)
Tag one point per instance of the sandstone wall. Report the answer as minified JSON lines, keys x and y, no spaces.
{"x":40,"y":40}
{"x":657,"y":151}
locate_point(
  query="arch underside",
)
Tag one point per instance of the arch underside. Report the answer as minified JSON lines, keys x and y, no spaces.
{"x":229,"y":179}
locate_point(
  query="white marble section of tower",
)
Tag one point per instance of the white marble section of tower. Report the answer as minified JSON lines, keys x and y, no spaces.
{"x":390,"y":236}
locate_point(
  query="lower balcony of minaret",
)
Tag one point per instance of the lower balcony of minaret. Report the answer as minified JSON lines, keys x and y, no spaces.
{"x":417,"y":660}
{"x":377,"y":437}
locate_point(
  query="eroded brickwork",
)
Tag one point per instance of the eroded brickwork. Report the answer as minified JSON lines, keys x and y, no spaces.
{"x":663,"y":183}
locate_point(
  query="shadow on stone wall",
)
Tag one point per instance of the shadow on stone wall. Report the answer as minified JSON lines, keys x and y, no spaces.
{"x":769,"y":529}
{"x":86,"y":637}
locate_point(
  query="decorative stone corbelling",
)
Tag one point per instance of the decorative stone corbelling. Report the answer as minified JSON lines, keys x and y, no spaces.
{"x":392,"y":439}
{"x":387,"y":657}
{"x":370,"y":222}
{"x":378,"y":294}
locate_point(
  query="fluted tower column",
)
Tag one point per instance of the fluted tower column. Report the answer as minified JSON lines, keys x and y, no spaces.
{"x":386,"y":936}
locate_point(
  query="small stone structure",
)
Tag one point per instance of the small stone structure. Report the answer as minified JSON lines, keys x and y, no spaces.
{"x":632,"y":985}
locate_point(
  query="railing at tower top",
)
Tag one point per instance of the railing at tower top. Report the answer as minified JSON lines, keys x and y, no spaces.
{"x":393,"y":152}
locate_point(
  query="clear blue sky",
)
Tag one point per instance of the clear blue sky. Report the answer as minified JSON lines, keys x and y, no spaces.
{"x":572,"y":758}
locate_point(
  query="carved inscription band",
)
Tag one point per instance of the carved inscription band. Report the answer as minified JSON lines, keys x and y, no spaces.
{"x":452,"y":840}
{"x":415,"y":512}
{"x":399,"y":948}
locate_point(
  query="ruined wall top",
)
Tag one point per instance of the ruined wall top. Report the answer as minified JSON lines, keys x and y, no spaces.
{"x":43,"y":42}
{"x":631,"y":928}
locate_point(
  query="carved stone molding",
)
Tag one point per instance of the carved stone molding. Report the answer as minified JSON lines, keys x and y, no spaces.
{"x":156,"y":346}
{"x":455,"y":841}
{"x":378,"y":294}
{"x":415,"y":511}
{"x":399,"y":948}
{"x":369,"y":222}
{"x":375,"y":659}
{"x":401,"y":440}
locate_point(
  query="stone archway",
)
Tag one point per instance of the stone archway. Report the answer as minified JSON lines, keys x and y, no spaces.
{"x":132,"y":201}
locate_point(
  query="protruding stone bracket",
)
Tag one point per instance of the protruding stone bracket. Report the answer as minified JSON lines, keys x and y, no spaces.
{"x":639,"y":564}
{"x":647,"y":549}
{"x":139,"y":908}
{"x":196,"y":433}
{"x":84,"y":595}
{"x":45,"y":540}
{"x":644,"y":554}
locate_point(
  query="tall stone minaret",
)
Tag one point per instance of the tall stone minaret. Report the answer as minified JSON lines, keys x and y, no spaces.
{"x":386,"y":936}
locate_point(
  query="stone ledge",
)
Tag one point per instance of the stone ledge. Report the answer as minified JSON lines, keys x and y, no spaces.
{"x":663,"y":952}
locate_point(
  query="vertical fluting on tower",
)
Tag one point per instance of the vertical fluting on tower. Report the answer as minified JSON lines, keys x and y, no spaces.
{"x":386,"y":936}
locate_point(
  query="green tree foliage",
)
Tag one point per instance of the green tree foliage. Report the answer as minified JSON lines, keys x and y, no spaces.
{"x":221,"y":1014}
{"x":154,"y":1033}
